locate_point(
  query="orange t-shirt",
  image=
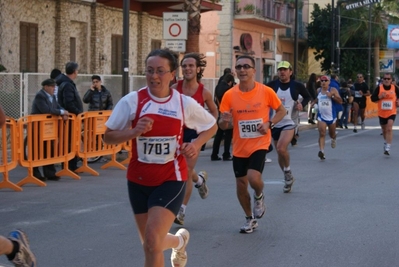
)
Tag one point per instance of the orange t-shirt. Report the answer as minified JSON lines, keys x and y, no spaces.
{"x":387,"y":105}
{"x":249,"y":109}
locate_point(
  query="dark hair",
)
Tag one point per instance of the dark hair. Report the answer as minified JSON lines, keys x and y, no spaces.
{"x":333,"y":76}
{"x":199,"y":62}
{"x":54,"y":73}
{"x":344,"y":84}
{"x":96,"y":77}
{"x":167,"y":54}
{"x":228,"y":78}
{"x":71,"y":67}
{"x":248,"y":57}
{"x":226,"y":71}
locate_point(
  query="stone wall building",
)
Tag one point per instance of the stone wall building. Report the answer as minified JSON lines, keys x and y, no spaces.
{"x":37,"y":36}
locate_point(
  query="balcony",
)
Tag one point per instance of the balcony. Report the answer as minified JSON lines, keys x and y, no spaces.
{"x":266,"y":13}
{"x":288,"y":34}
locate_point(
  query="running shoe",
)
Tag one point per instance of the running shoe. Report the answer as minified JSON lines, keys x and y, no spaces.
{"x":179,"y":256}
{"x":386,"y":152}
{"x":249,"y":226}
{"x":180,"y":217}
{"x":267,"y":160}
{"x":259,"y":207}
{"x":321,"y":155}
{"x":289,"y":180}
{"x":24,"y":256}
{"x":333,"y":143}
{"x":203,"y":188}
{"x":355,"y":130}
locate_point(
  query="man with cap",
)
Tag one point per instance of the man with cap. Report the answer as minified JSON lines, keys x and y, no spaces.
{"x":327,"y":100}
{"x":288,"y":91}
{"x":46,"y":103}
{"x":98,"y":97}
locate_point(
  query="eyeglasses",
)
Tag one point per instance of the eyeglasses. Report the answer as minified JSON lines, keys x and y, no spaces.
{"x":387,"y":79}
{"x":158,"y":72}
{"x":323,"y":80}
{"x":245,"y":66}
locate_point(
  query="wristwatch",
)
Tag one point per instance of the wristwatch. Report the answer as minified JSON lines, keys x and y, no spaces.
{"x":333,"y":96}
{"x":271,"y":125}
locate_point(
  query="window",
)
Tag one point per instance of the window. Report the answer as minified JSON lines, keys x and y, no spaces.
{"x":72,"y":49}
{"x":156,"y":44}
{"x":116,"y":54}
{"x":28,"y":51}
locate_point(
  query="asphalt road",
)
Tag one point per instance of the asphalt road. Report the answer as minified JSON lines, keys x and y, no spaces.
{"x":342,"y":212}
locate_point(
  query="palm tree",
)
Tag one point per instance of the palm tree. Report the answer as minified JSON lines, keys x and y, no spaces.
{"x":193,"y":7}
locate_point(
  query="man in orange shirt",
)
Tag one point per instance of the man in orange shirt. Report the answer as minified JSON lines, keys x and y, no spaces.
{"x":246,"y":108}
{"x":386,"y":95}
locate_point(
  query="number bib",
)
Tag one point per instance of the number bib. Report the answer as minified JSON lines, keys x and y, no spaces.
{"x":156,"y":149}
{"x":386,"y":105}
{"x":249,"y":129}
{"x":357,"y":94}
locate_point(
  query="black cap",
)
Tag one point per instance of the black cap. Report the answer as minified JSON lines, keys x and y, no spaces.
{"x":48,"y":82}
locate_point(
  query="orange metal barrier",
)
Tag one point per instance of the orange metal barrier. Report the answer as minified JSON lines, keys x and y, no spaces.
{"x":49,"y":140}
{"x":9,"y":143}
{"x":128,"y":147}
{"x":371,"y":109}
{"x":91,"y":143}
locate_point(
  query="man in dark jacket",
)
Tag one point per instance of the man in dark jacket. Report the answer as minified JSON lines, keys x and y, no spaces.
{"x":69,"y":99}
{"x":45,"y":103}
{"x":98,"y":97}
{"x":221,"y":88}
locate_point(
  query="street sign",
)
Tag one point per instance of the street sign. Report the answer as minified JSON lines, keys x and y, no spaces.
{"x":176,"y":45}
{"x":175,"y":25}
{"x":393,"y":36}
{"x":361,"y":3}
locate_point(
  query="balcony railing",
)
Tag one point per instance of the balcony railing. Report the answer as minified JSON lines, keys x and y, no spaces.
{"x":265,"y":9}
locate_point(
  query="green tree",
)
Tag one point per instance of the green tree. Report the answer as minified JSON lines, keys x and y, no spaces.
{"x":353,"y":37}
{"x":319,"y":35}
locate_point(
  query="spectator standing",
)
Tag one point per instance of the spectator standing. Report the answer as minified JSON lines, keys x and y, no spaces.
{"x":225,"y":71}
{"x":360,"y":91}
{"x":69,"y":99}
{"x":220,"y":90}
{"x":347,"y":99}
{"x":386,"y":95}
{"x":98,"y":97}
{"x":45,"y":103}
{"x":154,"y":117}
{"x":246,"y":108}
{"x":311,"y":87}
{"x":53,"y":75}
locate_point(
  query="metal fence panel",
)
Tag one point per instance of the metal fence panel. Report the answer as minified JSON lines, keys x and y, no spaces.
{"x":11,"y":94}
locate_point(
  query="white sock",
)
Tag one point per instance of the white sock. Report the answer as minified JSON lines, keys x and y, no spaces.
{"x":181,"y":242}
{"x":388,"y":146}
{"x":200,"y":181}
{"x":183,"y":207}
{"x":286,"y":169}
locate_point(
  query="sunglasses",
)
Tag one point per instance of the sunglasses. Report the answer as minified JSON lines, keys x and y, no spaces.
{"x":387,"y":79}
{"x":324,"y":80}
{"x":245,"y":67}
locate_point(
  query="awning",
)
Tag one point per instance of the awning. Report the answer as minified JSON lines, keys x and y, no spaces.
{"x":157,"y":7}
